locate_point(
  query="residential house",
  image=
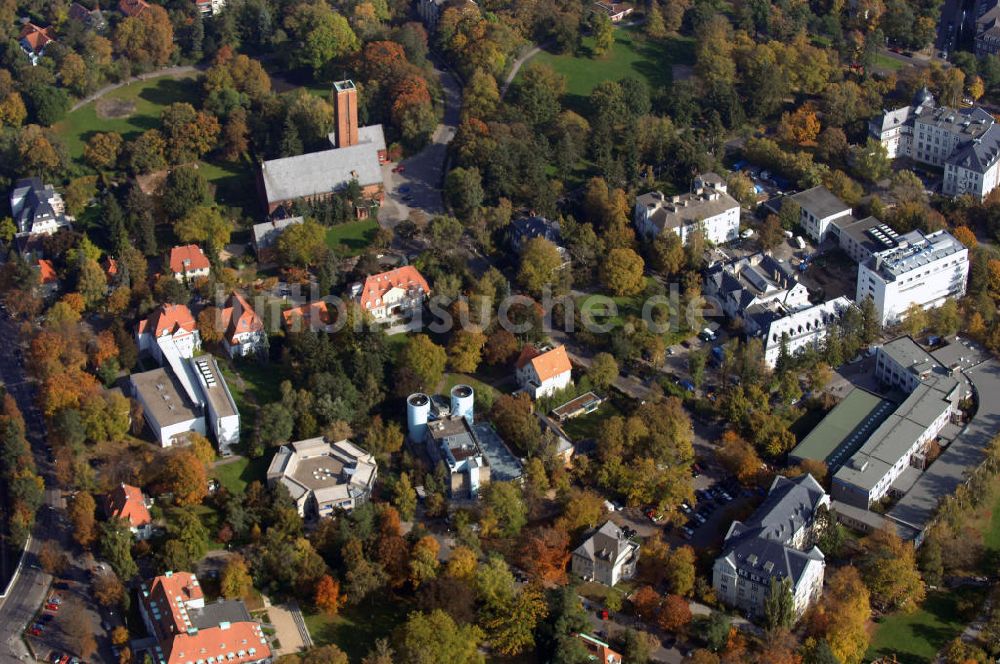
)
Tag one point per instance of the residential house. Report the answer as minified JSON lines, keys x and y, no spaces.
{"x":90,"y":19}
{"x":169,"y":323}
{"x":243,"y":330}
{"x":313,"y":316}
{"x":793,"y":332}
{"x":599,"y":651}
{"x":778,"y":542}
{"x":527,"y":228}
{"x":37,"y":208}
{"x":919,"y":268}
{"x":265,"y":237}
{"x":616,"y":11}
{"x":323,"y":478}
{"x":33,"y":40}
{"x":189,"y":262}
{"x":607,"y":556}
{"x":132,"y":8}
{"x":755,"y":283}
{"x":707,"y":208}
{"x":542,"y":373}
{"x":818,"y":209}
{"x":964,"y":142}
{"x":210,"y":7}
{"x":184,"y":629}
{"x":126,"y":502}
{"x":358,"y":156}
{"x":394,"y":295}
{"x":48,"y":280}
{"x":987,"y":30}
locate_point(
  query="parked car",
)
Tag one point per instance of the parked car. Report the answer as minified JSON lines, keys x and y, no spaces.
{"x":700,"y":518}
{"x":399,"y":169}
{"x":654,"y":516}
{"x":603,"y":614}
{"x":687,"y":533}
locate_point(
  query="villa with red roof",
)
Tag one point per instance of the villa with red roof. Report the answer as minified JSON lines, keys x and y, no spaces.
{"x":187,"y":631}
{"x":243,"y":330}
{"x":169,"y":323}
{"x":393,"y":295}
{"x":33,"y":41}
{"x":189,"y":262}
{"x":127,"y":502}
{"x":541,"y":374}
{"x":312,"y":316}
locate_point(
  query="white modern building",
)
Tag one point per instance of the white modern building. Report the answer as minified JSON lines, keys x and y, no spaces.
{"x":607,"y":556}
{"x":776,"y":543}
{"x":222,"y":417}
{"x":167,"y":407}
{"x":963,"y":141}
{"x":543,"y":373}
{"x":323,"y":477}
{"x":798,"y":330}
{"x":919,"y":268}
{"x":818,"y":209}
{"x":708,"y":208}
{"x":37,"y":208}
{"x":891,"y":458}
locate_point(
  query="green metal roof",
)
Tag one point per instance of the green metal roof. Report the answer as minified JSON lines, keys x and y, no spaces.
{"x":844,"y":429}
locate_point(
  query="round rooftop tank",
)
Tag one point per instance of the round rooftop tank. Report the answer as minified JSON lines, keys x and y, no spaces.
{"x":462,"y":401}
{"x":418,"y":409}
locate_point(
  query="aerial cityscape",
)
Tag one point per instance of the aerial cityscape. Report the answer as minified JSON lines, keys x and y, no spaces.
{"x":500,"y":332}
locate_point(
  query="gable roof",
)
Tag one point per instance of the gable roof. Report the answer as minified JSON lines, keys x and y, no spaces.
{"x":189,"y":258}
{"x":46,"y":272}
{"x":173,"y":319}
{"x":267,"y":233}
{"x":315,"y":313}
{"x":377,"y":285}
{"x":126,"y":502}
{"x":546,"y":365}
{"x":607,"y":543}
{"x":168,"y":599}
{"x":35,"y":37}
{"x":132,"y":7}
{"x":238,"y":317}
{"x":228,"y":642}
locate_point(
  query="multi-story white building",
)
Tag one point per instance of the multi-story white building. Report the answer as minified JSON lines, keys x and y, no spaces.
{"x":924,"y":269}
{"x":222,"y":417}
{"x":243,"y":330}
{"x":818,"y":209}
{"x":171,"y":324}
{"x":798,"y":330}
{"x":777,"y":542}
{"x":964,"y":142}
{"x":899,"y":442}
{"x":607,"y":556}
{"x":755,"y":283}
{"x":541,"y":374}
{"x":708,"y":208}
{"x":393,"y":295}
{"x":37,"y":208}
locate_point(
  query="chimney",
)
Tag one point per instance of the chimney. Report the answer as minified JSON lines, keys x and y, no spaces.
{"x":346,"y":113}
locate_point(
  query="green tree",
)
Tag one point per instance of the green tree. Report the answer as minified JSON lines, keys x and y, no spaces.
{"x":323,"y":35}
{"x":116,"y":547}
{"x":915,"y":319}
{"x":871,"y":161}
{"x":537,"y":93}
{"x":235,"y":581}
{"x":505,"y":501}
{"x":383,"y":438}
{"x":465,"y":350}
{"x":603,"y":371}
{"x":303,"y":245}
{"x":655,"y":27}
{"x":680,"y":571}
{"x":186,"y":528}
{"x":463,"y":191}
{"x":275,"y":424}
{"x":779,"y":605}
{"x":540,"y":263}
{"x":420,"y":365}
{"x":184,"y":189}
{"x":91,"y":282}
{"x":516,"y":423}
{"x":604,"y":32}
{"x":622,"y":272}
{"x":404,"y":497}
{"x":697,"y":363}
{"x":204,"y":224}
{"x":432,"y":638}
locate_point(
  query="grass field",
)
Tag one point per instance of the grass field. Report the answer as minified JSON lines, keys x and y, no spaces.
{"x":917,"y":637}
{"x":356,"y":628}
{"x":237,"y":474}
{"x":585,"y":426}
{"x":234,"y":184}
{"x":353,"y":237}
{"x":150,"y":97}
{"x":632,"y":55}
{"x":883,"y":61}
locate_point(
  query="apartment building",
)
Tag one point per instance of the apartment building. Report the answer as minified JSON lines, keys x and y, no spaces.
{"x":795,"y":331}
{"x":708,"y":208}
{"x":818,"y":209}
{"x":754,"y":283}
{"x":607,"y":556}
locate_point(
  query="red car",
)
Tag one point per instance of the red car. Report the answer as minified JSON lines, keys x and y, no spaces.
{"x":51,"y":607}
{"x":399,"y":169}
{"x":603,"y":614}
{"x":34,"y":631}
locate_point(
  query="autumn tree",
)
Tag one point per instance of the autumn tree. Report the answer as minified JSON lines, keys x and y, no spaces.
{"x":604,"y":32}
{"x":424,"y":561}
{"x":465,"y":350}
{"x":383,"y":438}
{"x":420,"y":365}
{"x":327,"y":597}
{"x":323,"y":35}
{"x":189,"y":133}
{"x":544,"y":554}
{"x":102,"y":150}
{"x":515,"y":421}
{"x":147,"y":39}
{"x":674,"y":613}
{"x":303,"y":245}
{"x":739,"y":457}
{"x":603,"y":371}
{"x":540,"y":262}
{"x":432,"y":638}
{"x":622,"y":272}
{"x":646,"y":603}
{"x":185,"y":476}
{"x":52,"y":559}
{"x":235,"y":581}
{"x":800,"y":127}
{"x":204,"y":225}
{"x":889,"y":568}
{"x":501,"y":347}
{"x":108,"y":589}
{"x":680,"y":570}
{"x":80,"y":510}
{"x":78,"y":629}
{"x":964,"y":235}
{"x":842,"y":617}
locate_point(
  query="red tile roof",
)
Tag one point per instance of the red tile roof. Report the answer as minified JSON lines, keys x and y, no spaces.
{"x":169,"y":596}
{"x":46,"y":272}
{"x":132,"y":7}
{"x":126,"y":502}
{"x":310,"y":314}
{"x":229,"y":643}
{"x":238,"y":317}
{"x":548,"y":364}
{"x":37,"y":38}
{"x":189,"y":258}
{"x":377,"y":285}
{"x":599,"y":650}
{"x":170,"y":319}
{"x":110,"y":267}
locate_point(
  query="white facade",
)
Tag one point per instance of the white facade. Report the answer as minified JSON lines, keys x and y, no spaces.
{"x":538,"y":388}
{"x":923,"y":269}
{"x":606,"y":557}
{"x":736,"y":587}
{"x":708,"y":208}
{"x":37,"y":208}
{"x":802,"y":329}
{"x":818,"y":209}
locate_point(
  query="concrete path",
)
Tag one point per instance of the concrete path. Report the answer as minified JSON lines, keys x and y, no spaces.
{"x":517,"y":67}
{"x":169,"y":71}
{"x":289,"y":628}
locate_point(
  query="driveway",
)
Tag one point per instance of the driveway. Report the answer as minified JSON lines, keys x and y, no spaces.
{"x":417,"y":188}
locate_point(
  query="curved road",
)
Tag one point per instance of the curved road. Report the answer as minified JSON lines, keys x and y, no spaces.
{"x":517,"y":67}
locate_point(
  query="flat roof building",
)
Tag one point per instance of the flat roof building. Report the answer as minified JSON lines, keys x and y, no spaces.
{"x":844,"y":429}
{"x":323,"y":477}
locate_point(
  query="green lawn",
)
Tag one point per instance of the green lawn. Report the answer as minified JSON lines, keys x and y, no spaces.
{"x":234,"y":184}
{"x":237,"y":474}
{"x":632,"y":55}
{"x":885,"y":62}
{"x":149,"y":97}
{"x":356,"y":628}
{"x":918,"y":636}
{"x":252,"y":386}
{"x":585,"y":426}
{"x":353,"y":237}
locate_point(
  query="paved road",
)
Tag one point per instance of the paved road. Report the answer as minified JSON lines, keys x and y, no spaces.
{"x":168,"y":71}
{"x":517,"y":67}
{"x":418,"y":187}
